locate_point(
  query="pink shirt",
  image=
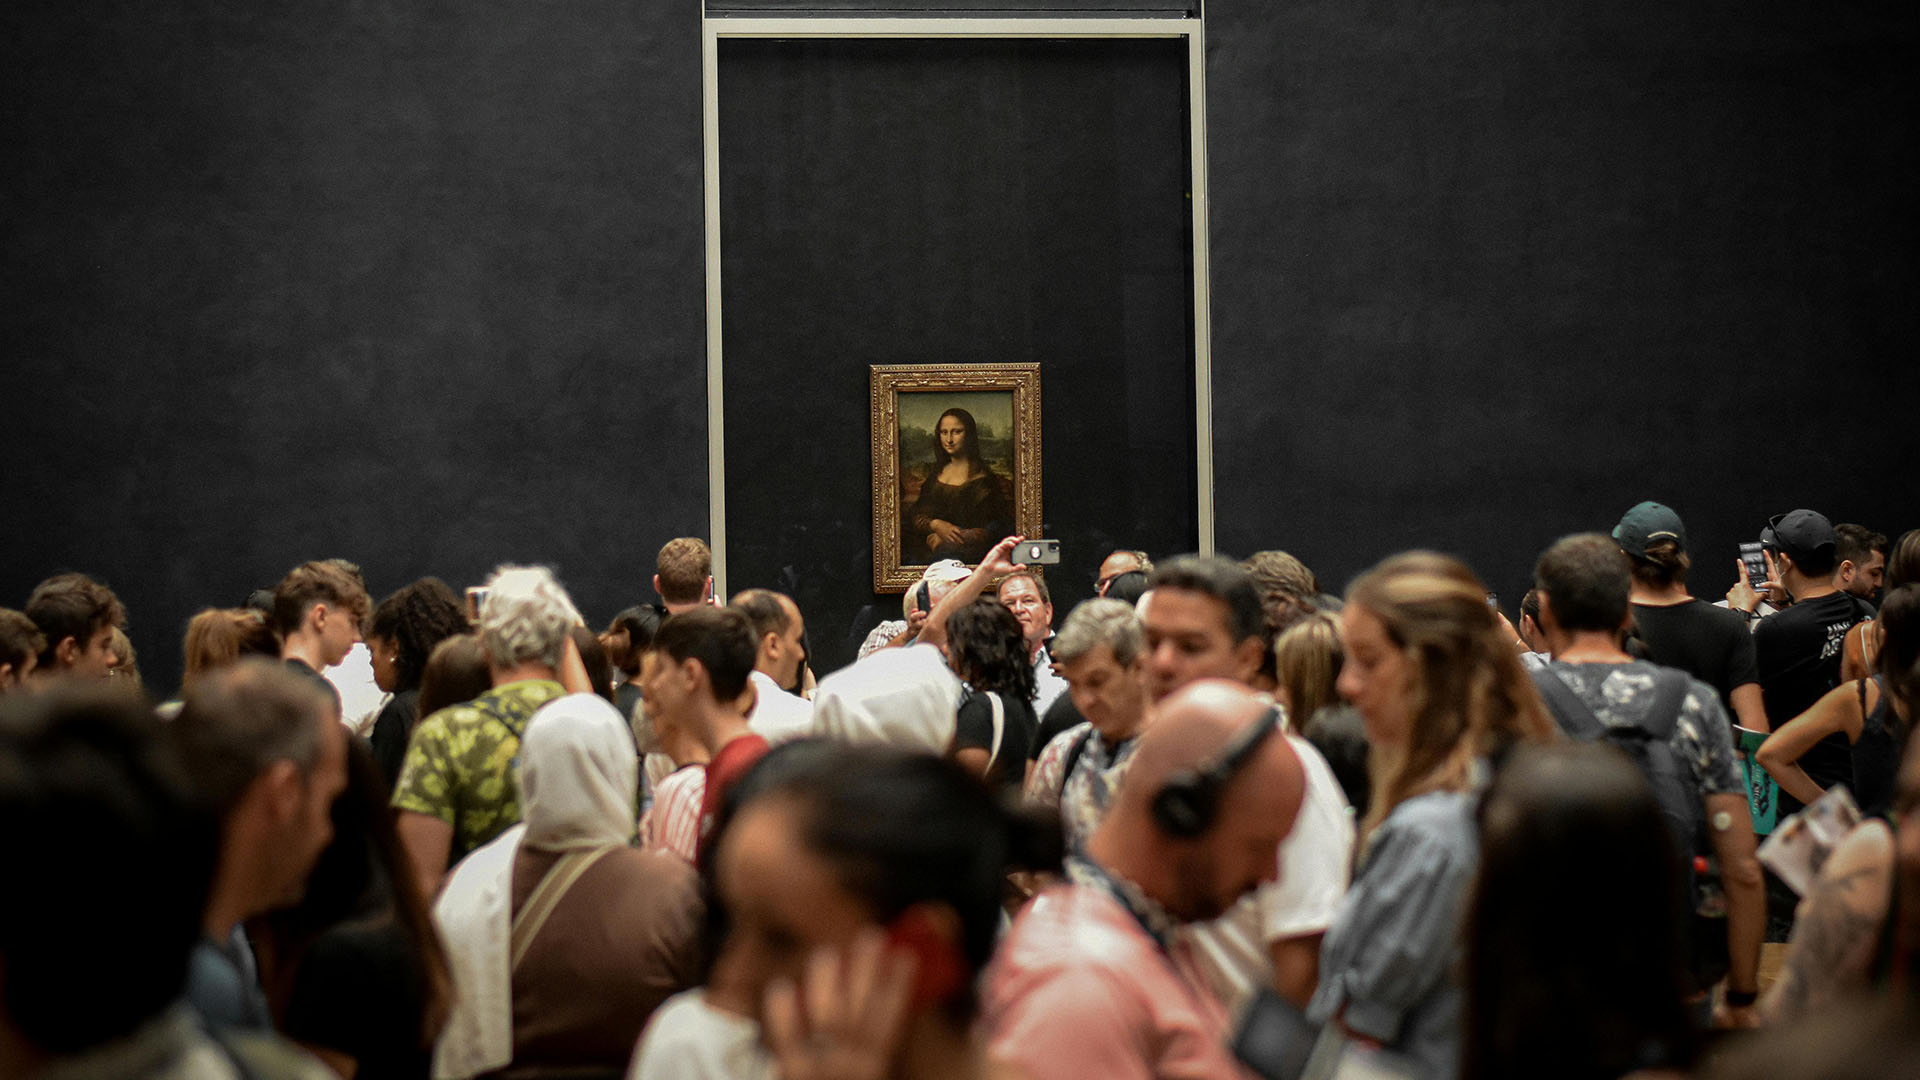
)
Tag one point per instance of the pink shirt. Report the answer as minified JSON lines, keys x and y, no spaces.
{"x":1079,"y":988}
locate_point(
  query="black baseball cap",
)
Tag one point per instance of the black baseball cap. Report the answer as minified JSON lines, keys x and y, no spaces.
{"x":1799,"y":533}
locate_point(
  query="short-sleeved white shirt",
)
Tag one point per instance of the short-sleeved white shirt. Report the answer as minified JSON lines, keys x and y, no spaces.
{"x":1316,"y":858}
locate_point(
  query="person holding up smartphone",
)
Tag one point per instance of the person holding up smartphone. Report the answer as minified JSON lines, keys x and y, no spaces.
{"x":1799,"y":650}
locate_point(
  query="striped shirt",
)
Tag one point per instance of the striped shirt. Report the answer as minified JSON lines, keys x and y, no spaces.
{"x":672,"y":823}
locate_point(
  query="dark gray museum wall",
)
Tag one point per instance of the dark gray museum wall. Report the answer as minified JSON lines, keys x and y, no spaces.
{"x":421,"y":284}
{"x":1487,"y":273}
{"x":416,"y":284}
{"x":986,"y":202}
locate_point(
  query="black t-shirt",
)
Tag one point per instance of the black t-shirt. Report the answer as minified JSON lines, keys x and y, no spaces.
{"x":1799,"y":652}
{"x":1061,"y":715}
{"x":973,"y":729}
{"x":1709,"y":643}
{"x":306,"y":669}
{"x":392,"y":730}
{"x":359,"y":992}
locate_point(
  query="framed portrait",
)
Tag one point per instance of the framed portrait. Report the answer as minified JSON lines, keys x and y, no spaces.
{"x":956,"y":463}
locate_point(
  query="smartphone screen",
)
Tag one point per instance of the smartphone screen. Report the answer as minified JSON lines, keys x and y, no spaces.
{"x":1756,"y":562}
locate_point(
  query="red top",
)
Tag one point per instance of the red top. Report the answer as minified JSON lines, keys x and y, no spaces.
{"x":725,"y":770}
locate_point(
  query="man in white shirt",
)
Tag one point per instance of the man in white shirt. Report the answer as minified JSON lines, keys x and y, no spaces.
{"x":1206,"y":621}
{"x":1023,"y":593}
{"x":778,"y":714}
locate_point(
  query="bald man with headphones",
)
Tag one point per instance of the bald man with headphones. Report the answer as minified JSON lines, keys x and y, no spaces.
{"x":1093,"y":979}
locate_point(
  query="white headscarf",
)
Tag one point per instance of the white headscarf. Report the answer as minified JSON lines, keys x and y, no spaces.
{"x":474,"y":915}
{"x":906,"y":698}
{"x":579,"y":776}
{"x":577,"y":785}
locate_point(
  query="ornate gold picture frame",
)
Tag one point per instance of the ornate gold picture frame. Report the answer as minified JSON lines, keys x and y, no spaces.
{"x":956,"y":463}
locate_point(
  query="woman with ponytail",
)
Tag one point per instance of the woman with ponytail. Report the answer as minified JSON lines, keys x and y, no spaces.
{"x":867,"y":883}
{"x":1443,"y":698}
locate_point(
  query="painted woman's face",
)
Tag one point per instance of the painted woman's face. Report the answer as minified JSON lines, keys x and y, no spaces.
{"x":953,"y":434}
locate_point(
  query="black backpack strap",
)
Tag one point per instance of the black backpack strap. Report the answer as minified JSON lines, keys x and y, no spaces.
{"x":1073,"y":756}
{"x":1670,"y":686}
{"x":497,"y":712}
{"x":1576,"y":718}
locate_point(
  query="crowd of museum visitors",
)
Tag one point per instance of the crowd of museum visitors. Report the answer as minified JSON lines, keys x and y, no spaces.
{"x":1211,"y":822}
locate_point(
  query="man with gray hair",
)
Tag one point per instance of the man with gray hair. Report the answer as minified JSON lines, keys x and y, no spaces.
{"x":264,"y":753}
{"x":1101,"y":653}
{"x":456,"y":790}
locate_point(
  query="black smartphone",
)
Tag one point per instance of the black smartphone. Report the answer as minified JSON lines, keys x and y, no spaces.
{"x":1044,"y":552}
{"x":1274,"y":1039}
{"x":1755,"y":559}
{"x":922,"y":598}
{"x":476,"y":596}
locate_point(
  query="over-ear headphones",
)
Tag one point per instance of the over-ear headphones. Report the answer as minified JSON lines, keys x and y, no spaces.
{"x":1186,"y":804}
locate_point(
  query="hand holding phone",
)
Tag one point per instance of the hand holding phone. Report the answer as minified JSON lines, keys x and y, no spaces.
{"x":1758,"y":579}
{"x":999,"y":560}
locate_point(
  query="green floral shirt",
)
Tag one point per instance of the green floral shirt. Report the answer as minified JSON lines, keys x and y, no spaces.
{"x":460,"y":761}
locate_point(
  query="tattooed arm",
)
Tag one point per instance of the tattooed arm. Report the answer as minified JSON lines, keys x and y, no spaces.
{"x":1839,"y":925}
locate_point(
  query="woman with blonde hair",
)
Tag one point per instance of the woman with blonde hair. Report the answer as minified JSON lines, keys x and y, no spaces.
{"x":1442,"y":696}
{"x":1307,"y":661}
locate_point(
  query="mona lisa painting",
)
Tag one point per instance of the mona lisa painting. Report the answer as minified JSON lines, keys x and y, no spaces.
{"x":956,"y":463}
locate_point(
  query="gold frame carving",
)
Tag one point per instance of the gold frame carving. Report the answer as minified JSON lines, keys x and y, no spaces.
{"x":888,"y":382}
